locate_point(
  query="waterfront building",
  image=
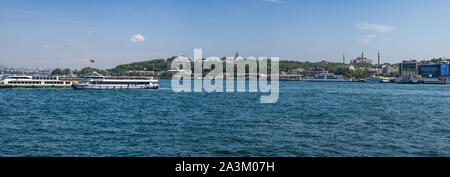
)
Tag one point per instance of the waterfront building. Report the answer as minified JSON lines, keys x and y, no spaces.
{"x":408,"y":69}
{"x":362,"y":59}
{"x":429,"y":70}
{"x":349,"y":67}
{"x":295,"y":71}
{"x":374,"y":69}
{"x":395,"y":68}
{"x":14,"y":71}
{"x":445,"y":69}
{"x":433,"y":70}
{"x":312,"y":72}
{"x":387,"y":69}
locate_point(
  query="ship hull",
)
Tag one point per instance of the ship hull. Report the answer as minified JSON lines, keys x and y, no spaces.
{"x":96,"y":87}
{"x":328,"y":80}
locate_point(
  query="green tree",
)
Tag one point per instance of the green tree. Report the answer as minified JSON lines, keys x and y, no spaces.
{"x":166,"y":75}
{"x":435,"y":60}
{"x":56,"y":71}
{"x":87,"y":70}
{"x":66,"y":71}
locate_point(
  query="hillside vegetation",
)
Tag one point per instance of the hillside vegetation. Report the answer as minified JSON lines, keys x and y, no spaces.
{"x":163,"y":65}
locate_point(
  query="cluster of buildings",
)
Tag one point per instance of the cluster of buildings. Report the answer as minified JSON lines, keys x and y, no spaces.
{"x":380,"y":69}
{"x":404,"y":72}
{"x":354,"y":65}
{"x":423,"y":72}
{"x":363,"y":59}
{"x":426,"y":70}
{"x":15,"y":71}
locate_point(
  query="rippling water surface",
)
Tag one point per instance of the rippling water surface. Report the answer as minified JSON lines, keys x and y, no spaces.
{"x":310,"y":119}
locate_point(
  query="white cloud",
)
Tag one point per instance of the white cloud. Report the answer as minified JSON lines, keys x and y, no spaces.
{"x":45,"y":46}
{"x":91,"y":32}
{"x":274,"y":1}
{"x":137,"y":38}
{"x":367,"y":39}
{"x":374,"y":27}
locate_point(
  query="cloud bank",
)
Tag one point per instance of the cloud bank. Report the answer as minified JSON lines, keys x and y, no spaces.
{"x":374,"y":27}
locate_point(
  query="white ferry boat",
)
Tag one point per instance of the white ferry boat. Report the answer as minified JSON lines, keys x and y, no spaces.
{"x":401,"y":80}
{"x":374,"y":79}
{"x":34,"y":81}
{"x":327,"y":77}
{"x":95,"y":81}
{"x":419,"y":80}
{"x":415,"y":80}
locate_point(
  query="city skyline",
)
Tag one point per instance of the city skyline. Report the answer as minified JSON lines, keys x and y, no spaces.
{"x":51,"y":34}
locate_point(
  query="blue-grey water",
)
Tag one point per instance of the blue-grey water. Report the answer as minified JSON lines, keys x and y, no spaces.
{"x":310,"y":119}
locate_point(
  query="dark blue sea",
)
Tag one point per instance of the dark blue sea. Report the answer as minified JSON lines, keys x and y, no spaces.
{"x":309,"y":119}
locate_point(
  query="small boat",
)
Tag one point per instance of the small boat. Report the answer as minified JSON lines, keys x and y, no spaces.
{"x":415,"y":80}
{"x":401,"y":80}
{"x":327,"y":77}
{"x":96,"y":81}
{"x":375,"y":79}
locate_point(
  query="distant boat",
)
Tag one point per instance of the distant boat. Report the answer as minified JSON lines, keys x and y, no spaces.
{"x":375,"y":79}
{"x":327,"y":77}
{"x":95,"y":81}
{"x":401,"y":80}
{"x":415,"y":80}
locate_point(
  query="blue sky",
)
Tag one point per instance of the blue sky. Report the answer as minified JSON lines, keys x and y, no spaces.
{"x":55,"y":33}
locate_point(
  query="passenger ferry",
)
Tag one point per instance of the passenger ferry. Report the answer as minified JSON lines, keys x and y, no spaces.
{"x":375,"y":79}
{"x":34,"y":81}
{"x":96,"y":81}
{"x":327,"y":77}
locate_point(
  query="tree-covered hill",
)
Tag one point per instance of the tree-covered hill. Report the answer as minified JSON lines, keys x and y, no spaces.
{"x":157,"y":64}
{"x":163,"y":65}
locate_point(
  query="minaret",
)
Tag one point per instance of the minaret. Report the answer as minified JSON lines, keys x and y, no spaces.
{"x":236,"y":55}
{"x":343,"y":58}
{"x":379,"y":59}
{"x":362,"y":55}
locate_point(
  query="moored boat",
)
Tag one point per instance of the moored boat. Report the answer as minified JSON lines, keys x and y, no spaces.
{"x":327,"y":77}
{"x":375,"y":79}
{"x":34,"y":81}
{"x":95,"y":81}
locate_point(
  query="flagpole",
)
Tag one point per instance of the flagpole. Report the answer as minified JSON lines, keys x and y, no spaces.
{"x":90,"y":64}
